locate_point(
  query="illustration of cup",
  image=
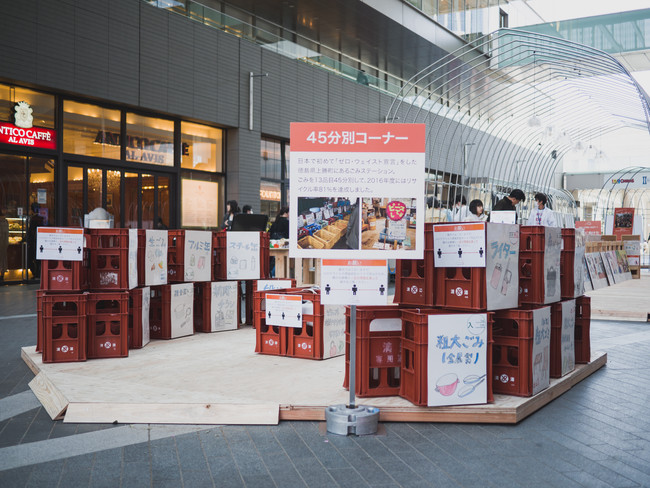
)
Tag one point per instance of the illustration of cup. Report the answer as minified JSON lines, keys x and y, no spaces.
{"x":446,"y":385}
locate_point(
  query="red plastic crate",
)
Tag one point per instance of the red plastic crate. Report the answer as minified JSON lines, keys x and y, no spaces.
{"x":203,"y":306}
{"x":175,"y":256}
{"x":109,"y":269}
{"x":39,"y":320}
{"x":138,"y":336}
{"x":108,"y":323}
{"x":555,"y":353}
{"x":531,"y":265}
{"x":414,"y":282}
{"x":109,"y":238}
{"x":251,"y":288}
{"x":414,"y":372}
{"x":64,"y":327}
{"x":160,"y":324}
{"x":460,"y":288}
{"x":219,"y":256}
{"x":65,"y":276}
{"x":582,"y":338}
{"x":512,"y":352}
{"x":307,"y":341}
{"x":567,"y":262}
{"x":269,"y":339}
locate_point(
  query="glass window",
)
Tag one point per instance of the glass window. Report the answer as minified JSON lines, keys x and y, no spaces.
{"x":90,"y":130}
{"x":149,"y":140}
{"x":270,"y":198}
{"x":148,"y":207}
{"x":163,"y":202}
{"x":41,"y":187}
{"x":201,"y":148}
{"x":131,"y":190}
{"x":75,"y":196}
{"x":113,"y":201}
{"x":200,"y":203}
{"x":271,"y":159}
{"x":95,"y":186}
{"x":42,"y":105}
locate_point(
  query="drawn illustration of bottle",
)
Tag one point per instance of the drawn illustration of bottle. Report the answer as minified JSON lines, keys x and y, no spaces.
{"x":506,"y":279}
{"x":496,"y":276}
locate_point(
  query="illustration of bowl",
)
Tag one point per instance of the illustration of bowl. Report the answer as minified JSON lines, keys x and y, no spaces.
{"x":446,"y":385}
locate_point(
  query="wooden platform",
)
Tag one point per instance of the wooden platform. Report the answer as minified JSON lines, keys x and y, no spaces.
{"x":622,"y":301}
{"x":218,"y":379}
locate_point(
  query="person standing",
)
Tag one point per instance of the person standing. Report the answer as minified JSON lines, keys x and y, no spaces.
{"x":231,"y":210}
{"x":280,"y":227}
{"x":35,"y":221}
{"x":542,"y":215}
{"x":510,"y":202}
{"x":247,"y":209}
{"x":476,"y":213}
{"x":4,"y":245}
{"x":459,"y":212}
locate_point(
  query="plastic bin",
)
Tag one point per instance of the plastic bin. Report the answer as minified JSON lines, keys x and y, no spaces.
{"x":108,"y":323}
{"x":64,"y":327}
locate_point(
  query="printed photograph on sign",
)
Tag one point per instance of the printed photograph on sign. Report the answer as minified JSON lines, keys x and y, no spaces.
{"x":341,"y":231}
{"x":388,"y":223}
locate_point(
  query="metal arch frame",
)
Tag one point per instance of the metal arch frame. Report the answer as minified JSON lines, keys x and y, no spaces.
{"x":446,"y":92}
{"x":630,"y":170}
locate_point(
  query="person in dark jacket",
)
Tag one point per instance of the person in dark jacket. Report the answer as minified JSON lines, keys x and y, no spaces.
{"x":231,"y":210}
{"x":35,"y":221}
{"x":510,"y":202}
{"x":280,"y":228}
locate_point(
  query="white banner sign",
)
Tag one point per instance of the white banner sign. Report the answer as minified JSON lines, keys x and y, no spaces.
{"x":503,"y":217}
{"x":59,"y":243}
{"x":457,"y":359}
{"x":223,"y":305}
{"x":333,"y":331}
{"x":273,"y":284}
{"x":502,"y":268}
{"x":155,"y":257}
{"x":133,"y":258}
{"x":349,"y":169}
{"x":243,"y":255}
{"x":182,"y":310}
{"x":284,"y":310}
{"x":541,"y":349}
{"x":552,"y":255}
{"x":354,"y":282}
{"x":459,"y":245}
{"x":567,"y":340}
{"x":596,"y":270}
{"x":198,"y":254}
{"x":146,"y":305}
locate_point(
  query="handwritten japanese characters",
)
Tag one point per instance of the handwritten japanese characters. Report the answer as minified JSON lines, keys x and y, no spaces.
{"x":502,"y":266}
{"x":223,"y":306}
{"x":541,"y":348}
{"x":198,"y":254}
{"x":567,"y":339}
{"x":457,"y":359}
{"x":356,"y":161}
{"x":552,"y":253}
{"x":243,"y":255}
{"x":182,"y":310}
{"x":155,"y":257}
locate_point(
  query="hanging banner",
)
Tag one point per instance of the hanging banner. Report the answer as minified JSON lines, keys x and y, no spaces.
{"x":182,"y":310}
{"x":59,"y":243}
{"x":243,"y":255}
{"x":591,"y":228}
{"x":334,"y":331}
{"x":133,"y":258}
{"x":457,"y":359}
{"x":552,"y":254}
{"x":198,"y":254}
{"x":155,"y":257}
{"x":354,"y":282}
{"x":567,"y":339}
{"x":459,"y":245}
{"x":370,"y":178}
{"x":224,"y":301}
{"x":284,"y":310}
{"x":623,"y":222}
{"x":541,"y":348}
{"x":502,"y":268}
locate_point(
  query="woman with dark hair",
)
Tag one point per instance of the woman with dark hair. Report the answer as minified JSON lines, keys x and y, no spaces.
{"x":476,"y":213}
{"x":231,"y":210}
{"x":280,"y":228}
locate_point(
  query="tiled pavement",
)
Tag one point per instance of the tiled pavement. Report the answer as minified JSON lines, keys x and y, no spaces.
{"x":595,"y":435}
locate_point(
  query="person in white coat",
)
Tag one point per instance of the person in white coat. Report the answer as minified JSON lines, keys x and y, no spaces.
{"x":542,"y":215}
{"x":459,"y":211}
{"x":476,"y":213}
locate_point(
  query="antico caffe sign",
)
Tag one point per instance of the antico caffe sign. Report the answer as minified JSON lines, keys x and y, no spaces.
{"x":22,"y":132}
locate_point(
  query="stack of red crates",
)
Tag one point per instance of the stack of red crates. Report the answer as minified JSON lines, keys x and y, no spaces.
{"x":567,"y":261}
{"x":378,"y":356}
{"x":138,"y":336}
{"x":109,"y":259}
{"x":63,"y":326}
{"x":203,"y":305}
{"x":251,"y":288}
{"x":220,"y":253}
{"x":175,"y":256}
{"x":414,"y":281}
{"x":531,"y":265}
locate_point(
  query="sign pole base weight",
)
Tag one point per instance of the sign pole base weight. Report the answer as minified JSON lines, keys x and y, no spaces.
{"x":346,"y":420}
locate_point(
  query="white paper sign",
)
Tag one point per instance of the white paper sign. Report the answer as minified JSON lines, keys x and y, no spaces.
{"x":182,"y":310}
{"x":579,"y":264}
{"x":273,"y":284}
{"x":146,"y":305}
{"x":396,"y":229}
{"x":333,"y":331}
{"x":608,"y":268}
{"x":284,"y":310}
{"x":552,"y":254}
{"x":133,"y":259}
{"x":223,"y":305}
{"x":155,"y":257}
{"x":59,"y":243}
{"x":198,"y":253}
{"x":502,"y":266}
{"x":453,"y":382}
{"x":503,"y":217}
{"x":354,"y":282}
{"x":596,"y":270}
{"x":567,"y":340}
{"x":243,"y":255}
{"x":541,"y":349}
{"x":633,"y":251}
{"x":459,"y":245}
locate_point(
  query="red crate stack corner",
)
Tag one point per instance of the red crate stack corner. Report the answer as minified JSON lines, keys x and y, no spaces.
{"x":226,"y":314}
{"x":514,"y":368}
{"x":307,"y":341}
{"x":460,"y":288}
{"x":415,"y":345}
{"x":65,"y":276}
{"x":220,"y":255}
{"x":531,"y":265}
{"x":64,"y":327}
{"x":40,"y":324}
{"x":414,"y":281}
{"x":142,"y":245}
{"x":138,"y":325}
{"x":270,"y":340}
{"x":560,"y":364}
{"x":108,"y":324}
{"x":378,"y":350}
{"x":567,"y":263}
{"x":582,"y":335}
{"x":175,"y":256}
{"x":268,"y":284}
{"x":171,"y":314}
{"x":109,"y":259}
